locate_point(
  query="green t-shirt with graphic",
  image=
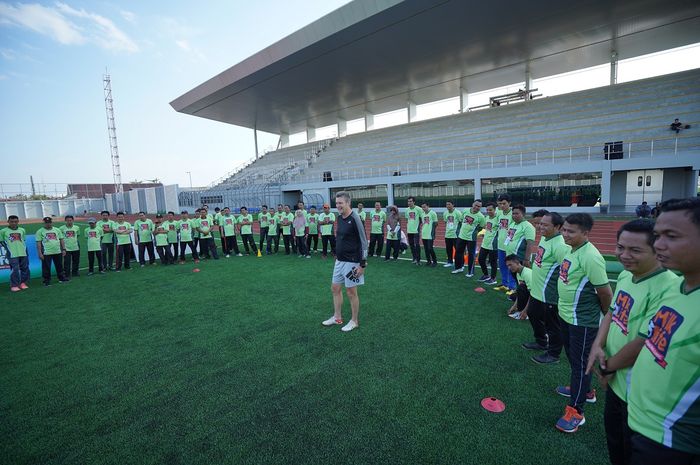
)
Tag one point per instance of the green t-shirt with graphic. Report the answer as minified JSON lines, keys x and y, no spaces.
{"x":106,"y":227}
{"x":414,"y":217}
{"x":217,"y":218}
{"x":326,"y":220}
{"x":452,"y":220}
{"x":517,"y":236}
{"x":186,"y":229}
{"x":312,"y":222}
{"x":490,"y":239}
{"x":581,"y":271}
{"x":525,"y":276}
{"x":264,"y":220}
{"x":144,"y":229}
{"x":50,"y":240}
{"x":246,"y":228}
{"x":272,"y":224}
{"x":171,"y":227}
{"x":122,"y":239}
{"x":427,"y":221}
{"x":94,"y":238}
{"x":70,"y":237}
{"x":504,"y":222}
{"x":633,"y":305}
{"x":471,"y":223}
{"x":228,"y":223}
{"x":205,"y":225}
{"x":545,"y":268}
{"x":378,"y":219}
{"x":664,"y":403}
{"x":14,"y":241}
{"x":362,"y":215}
{"x":287,"y":229}
{"x":161,"y":235}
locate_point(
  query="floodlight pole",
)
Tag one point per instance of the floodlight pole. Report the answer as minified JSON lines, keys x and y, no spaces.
{"x":613,"y":68}
{"x":114,"y":149}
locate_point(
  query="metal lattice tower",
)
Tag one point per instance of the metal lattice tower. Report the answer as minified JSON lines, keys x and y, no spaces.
{"x":114,"y":149}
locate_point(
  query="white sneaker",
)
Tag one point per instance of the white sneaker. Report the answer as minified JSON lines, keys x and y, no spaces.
{"x":458,"y":271}
{"x":239,"y":255}
{"x":470,"y":275}
{"x":350,"y":326}
{"x":332,"y":321}
{"x":228,"y":256}
{"x":447,"y":265}
{"x":514,"y":315}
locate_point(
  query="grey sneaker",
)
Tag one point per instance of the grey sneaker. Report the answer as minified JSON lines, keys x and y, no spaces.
{"x":545,"y":359}
{"x":532,"y":346}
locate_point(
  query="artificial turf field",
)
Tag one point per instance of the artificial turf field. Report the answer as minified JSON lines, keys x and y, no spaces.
{"x":231,"y":365}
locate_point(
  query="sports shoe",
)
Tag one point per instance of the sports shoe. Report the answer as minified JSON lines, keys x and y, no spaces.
{"x":545,"y":359}
{"x":571,"y":420}
{"x":532,"y":346}
{"x":332,"y":321}
{"x":510,"y":292}
{"x":513,"y":297}
{"x":447,"y":265}
{"x":23,"y":286}
{"x":15,"y":289}
{"x":196,"y":260}
{"x":349,"y":327}
{"x":566,"y":392}
{"x":228,"y":256}
{"x":484,"y":279}
{"x":239,"y":255}
{"x":90,"y":273}
{"x":491,"y":282}
{"x":459,"y":270}
{"x":514,"y":315}
{"x":500,"y":288}
{"x":470,"y":275}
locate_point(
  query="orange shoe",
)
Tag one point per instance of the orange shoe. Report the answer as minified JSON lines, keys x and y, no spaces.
{"x":571,"y":420}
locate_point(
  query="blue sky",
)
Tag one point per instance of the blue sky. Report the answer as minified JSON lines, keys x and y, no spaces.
{"x":53,"y":56}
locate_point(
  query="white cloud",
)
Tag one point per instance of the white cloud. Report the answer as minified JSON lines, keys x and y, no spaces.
{"x":68,"y":25}
{"x":128,"y":15}
{"x":186,"y":47}
{"x":182,"y":35}
{"x":8,"y":54}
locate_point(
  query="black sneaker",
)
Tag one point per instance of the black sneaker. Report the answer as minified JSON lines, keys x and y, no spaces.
{"x":483,"y":279}
{"x":545,"y":359}
{"x":532,"y":346}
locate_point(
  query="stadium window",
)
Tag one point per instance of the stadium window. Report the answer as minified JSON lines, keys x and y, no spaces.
{"x":436,"y":193}
{"x":639,"y":181}
{"x":214,"y":199}
{"x":555,"y":190}
{"x":365,"y":194}
{"x":648,"y":181}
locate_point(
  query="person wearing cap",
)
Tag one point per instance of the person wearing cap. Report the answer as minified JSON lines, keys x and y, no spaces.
{"x":51,"y":248}
{"x":93,"y":235}
{"x":71,"y":261}
{"x":13,"y":241}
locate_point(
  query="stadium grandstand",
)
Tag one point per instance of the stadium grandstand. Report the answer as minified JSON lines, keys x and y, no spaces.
{"x":594,"y":150}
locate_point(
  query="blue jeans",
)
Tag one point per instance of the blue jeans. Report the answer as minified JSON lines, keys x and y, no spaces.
{"x":19,"y":273}
{"x":507,"y":278}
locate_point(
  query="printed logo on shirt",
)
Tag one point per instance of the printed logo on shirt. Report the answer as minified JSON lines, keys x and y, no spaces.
{"x":376,"y":218}
{"x":70,"y":233}
{"x":662,"y":326}
{"x":503,"y":223}
{"x":92,"y":234}
{"x":15,"y":237}
{"x":539,"y":256}
{"x":469,"y":220}
{"x":205,"y":223}
{"x":564,"y":271}
{"x":489,"y":227}
{"x":312,"y":219}
{"x":426,"y":220}
{"x":144,"y":226}
{"x":51,"y":236}
{"x":185,"y":226}
{"x":411,"y":215}
{"x":511,"y":234}
{"x":105,"y":227}
{"x":621,"y":311}
{"x":228,"y":221}
{"x":171,"y":227}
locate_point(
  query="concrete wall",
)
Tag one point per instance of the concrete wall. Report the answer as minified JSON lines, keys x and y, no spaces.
{"x":40,"y":208}
{"x":677,"y":182}
{"x":618,"y":189}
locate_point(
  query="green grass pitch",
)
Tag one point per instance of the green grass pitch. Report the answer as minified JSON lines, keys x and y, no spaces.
{"x":231,"y":365}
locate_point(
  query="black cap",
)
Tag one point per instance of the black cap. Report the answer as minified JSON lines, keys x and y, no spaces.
{"x":47,"y":219}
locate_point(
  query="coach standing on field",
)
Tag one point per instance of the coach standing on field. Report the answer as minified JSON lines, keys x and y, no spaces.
{"x":350,"y":262}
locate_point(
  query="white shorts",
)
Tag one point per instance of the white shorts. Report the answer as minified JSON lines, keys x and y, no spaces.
{"x":342,"y":274}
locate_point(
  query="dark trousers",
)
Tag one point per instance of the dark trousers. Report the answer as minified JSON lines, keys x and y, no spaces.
{"x":71,"y":263}
{"x":450,"y":248}
{"x":143,"y":248}
{"x":460,"y":247}
{"x":429,"y":251}
{"x":301,"y":245}
{"x":577,"y":342}
{"x":311,"y":238}
{"x":132,"y":253}
{"x":263,"y":235}
{"x":544,"y":319}
{"x":288,"y":242}
{"x":19,"y":271}
{"x":166,"y":257}
{"x":207,"y":244}
{"x":107,"y":255}
{"x":395,"y":245}
{"x":376,"y":241}
{"x":173,"y":249}
{"x":471,"y":256}
{"x":522,"y":296}
{"x":414,"y":243}
{"x":231,"y":245}
{"x":92,"y":254}
{"x":506,"y":276}
{"x":123,"y":253}
{"x":270,"y":239}
{"x":57,"y":260}
{"x":492,"y":257}
{"x":224,"y":246}
{"x":648,"y":452}
{"x":248,"y":240}
{"x":324,"y":244}
{"x":195,"y":241}
{"x":193,"y":249}
{"x":617,"y":432}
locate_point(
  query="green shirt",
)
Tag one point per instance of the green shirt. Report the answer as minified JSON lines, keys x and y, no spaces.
{"x":171,"y":227}
{"x":452,"y":220}
{"x":471,"y":223}
{"x":229,"y":225}
{"x":94,"y":238}
{"x":123,"y":239}
{"x":312,"y":221}
{"x":378,"y":220}
{"x":663,"y":399}
{"x":144,"y":229}
{"x":264,"y":219}
{"x":517,"y":237}
{"x":246,"y":228}
{"x":217,"y":218}
{"x":581,"y":271}
{"x":287,"y":229}
{"x":490,"y":239}
{"x":161,"y":235}
{"x":326,"y":220}
{"x":362,"y":215}
{"x":105,"y":226}
{"x":413,"y":219}
{"x":14,"y":241}
{"x":205,"y":225}
{"x":50,"y":240}
{"x":70,"y":237}
{"x":428,"y":220}
{"x":545,"y":268}
{"x":504,"y":222}
{"x":633,"y":305}
{"x":525,"y":276}
{"x":186,"y":229}
{"x":272,"y":224}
